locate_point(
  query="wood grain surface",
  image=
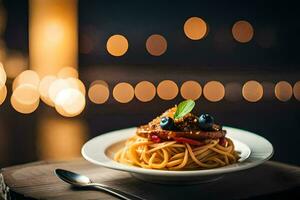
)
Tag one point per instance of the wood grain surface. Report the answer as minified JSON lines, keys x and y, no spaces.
{"x":38,"y":181}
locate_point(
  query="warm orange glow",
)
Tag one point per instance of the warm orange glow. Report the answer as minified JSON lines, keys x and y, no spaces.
{"x":25,"y":98}
{"x":15,"y":63}
{"x":123,"y":92}
{"x":233,"y":91}
{"x":2,"y":76}
{"x":27,"y":77}
{"x":145,"y":91}
{"x":67,"y":72}
{"x":117,"y":45}
{"x":98,"y":92}
{"x":69,"y":102}
{"x":44,"y":89}
{"x":191,"y":90}
{"x":156,"y":45}
{"x":195,"y":28}
{"x":3,"y":94}
{"x":252,"y":91}
{"x":55,"y":87}
{"x":76,"y":84}
{"x":283,"y":91}
{"x":2,"y":51}
{"x":296,"y":90}
{"x":167,"y":90}
{"x":214,"y":91}
{"x":52,"y":35}
{"x":242,"y":31}
{"x":60,"y":139}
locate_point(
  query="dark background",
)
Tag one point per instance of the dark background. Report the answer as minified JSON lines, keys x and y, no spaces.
{"x":216,"y":57}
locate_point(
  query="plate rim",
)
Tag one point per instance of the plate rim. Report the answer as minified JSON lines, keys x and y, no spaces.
{"x":246,"y":164}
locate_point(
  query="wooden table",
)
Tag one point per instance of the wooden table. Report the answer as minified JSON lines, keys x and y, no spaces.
{"x":38,"y":181}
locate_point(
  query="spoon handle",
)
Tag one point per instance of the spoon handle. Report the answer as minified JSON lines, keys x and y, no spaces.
{"x":115,"y":192}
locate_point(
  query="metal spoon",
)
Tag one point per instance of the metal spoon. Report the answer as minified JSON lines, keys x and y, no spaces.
{"x":79,"y":180}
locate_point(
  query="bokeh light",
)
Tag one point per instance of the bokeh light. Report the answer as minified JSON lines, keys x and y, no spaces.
{"x":145,"y":91}
{"x":25,"y":98}
{"x":214,"y":91}
{"x":233,"y":91}
{"x":296,"y":90}
{"x":67,"y":72}
{"x":55,"y":87}
{"x":117,"y":45}
{"x":44,"y":89}
{"x":76,"y":84}
{"x":167,"y":90}
{"x":252,"y":91}
{"x":191,"y":90}
{"x":3,"y":94}
{"x":98,"y":92}
{"x":283,"y":91}
{"x":242,"y":31}
{"x":69,"y":102}
{"x":195,"y":28}
{"x":156,"y":45}
{"x":123,"y":92}
{"x":2,"y":76}
{"x":27,"y":77}
{"x":15,"y":63}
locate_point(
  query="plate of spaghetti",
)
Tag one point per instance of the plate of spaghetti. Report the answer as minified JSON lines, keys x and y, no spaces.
{"x":179,"y":147}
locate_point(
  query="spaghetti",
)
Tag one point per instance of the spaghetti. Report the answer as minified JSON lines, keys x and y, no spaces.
{"x":171,"y":155}
{"x":179,"y":140}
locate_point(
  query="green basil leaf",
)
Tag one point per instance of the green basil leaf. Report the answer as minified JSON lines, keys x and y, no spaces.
{"x":184,"y":108}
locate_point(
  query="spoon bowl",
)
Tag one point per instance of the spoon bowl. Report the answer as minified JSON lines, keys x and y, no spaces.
{"x":79,"y":180}
{"x":73,"y":178}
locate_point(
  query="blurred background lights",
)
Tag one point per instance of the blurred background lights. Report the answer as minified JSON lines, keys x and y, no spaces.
{"x":145,"y":91}
{"x":69,"y":102}
{"x":27,"y":77}
{"x":2,"y":76}
{"x":54,"y":32}
{"x":191,"y":90}
{"x":214,"y":91}
{"x":15,"y":63}
{"x":123,"y":92}
{"x":156,"y":45}
{"x":252,"y":91}
{"x":98,"y":92}
{"x":283,"y":91}
{"x":75,"y":83}
{"x":195,"y":28}
{"x":296,"y":90}
{"x":67,"y":72}
{"x":25,"y":98}
{"x":233,"y":91}
{"x":44,"y":89}
{"x":167,"y":90}
{"x":3,"y":93}
{"x":117,"y":45}
{"x":242,"y":31}
{"x":55,"y":87}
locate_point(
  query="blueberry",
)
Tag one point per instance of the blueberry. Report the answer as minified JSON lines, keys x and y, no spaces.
{"x":167,"y":123}
{"x":206,"y":122}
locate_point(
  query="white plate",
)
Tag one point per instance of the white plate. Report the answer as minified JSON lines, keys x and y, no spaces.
{"x":254,"y":151}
